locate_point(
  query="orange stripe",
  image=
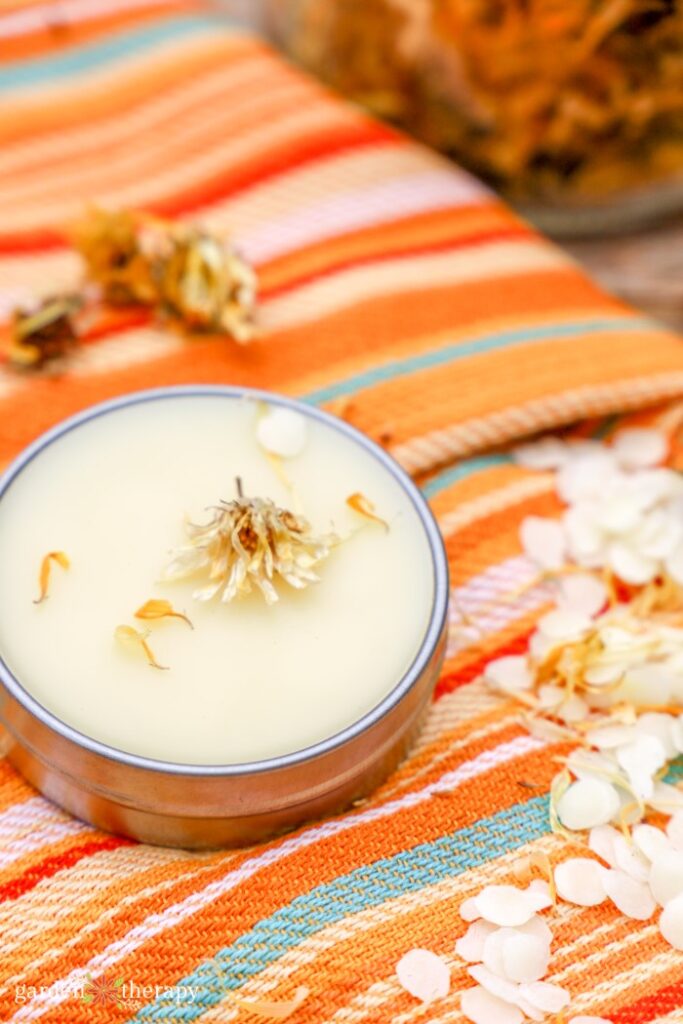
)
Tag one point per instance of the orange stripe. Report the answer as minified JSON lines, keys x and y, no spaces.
{"x":280,"y":361}
{"x":51,"y":114}
{"x":257,"y":897}
{"x":484,"y":384}
{"x":166,"y":141}
{"x":403,"y":234}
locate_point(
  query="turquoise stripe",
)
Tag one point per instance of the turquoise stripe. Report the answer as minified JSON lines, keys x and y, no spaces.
{"x":468,"y":467}
{"x":366,"y":887}
{"x":94,"y":55}
{"x":361,"y":889}
{"x":460,"y":350}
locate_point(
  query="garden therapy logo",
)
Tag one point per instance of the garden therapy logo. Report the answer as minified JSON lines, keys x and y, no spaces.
{"x":121,"y":994}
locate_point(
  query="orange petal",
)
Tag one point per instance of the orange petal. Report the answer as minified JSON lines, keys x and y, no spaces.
{"x":269,"y":1009}
{"x":364,"y":507}
{"x":158,"y":609}
{"x":126,"y":634}
{"x":45,"y":566}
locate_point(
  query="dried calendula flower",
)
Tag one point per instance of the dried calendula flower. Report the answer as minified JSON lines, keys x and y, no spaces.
{"x":364,"y":507}
{"x":207,"y":286}
{"x":250,"y":542}
{"x":129,"y":635}
{"x":45,"y":566}
{"x":159,"y":609}
{"x":43,"y":334}
{"x":120,"y":255}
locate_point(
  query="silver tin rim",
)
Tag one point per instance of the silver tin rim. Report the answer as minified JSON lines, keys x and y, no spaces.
{"x":413,"y":674}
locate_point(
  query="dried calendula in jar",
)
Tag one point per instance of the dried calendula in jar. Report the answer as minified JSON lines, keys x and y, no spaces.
{"x":207,"y":286}
{"x":44,"y":334}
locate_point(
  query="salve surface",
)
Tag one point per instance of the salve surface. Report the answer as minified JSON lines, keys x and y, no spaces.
{"x":251,"y":681}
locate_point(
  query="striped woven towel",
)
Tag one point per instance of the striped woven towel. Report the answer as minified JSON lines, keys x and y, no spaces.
{"x":398,"y":293}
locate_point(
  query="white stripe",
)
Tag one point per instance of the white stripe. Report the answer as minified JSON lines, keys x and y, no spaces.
{"x":485,"y":505}
{"x":28,"y":811}
{"x":487,"y":600}
{"x":380,"y":202}
{"x":410,"y":273}
{"x":197,"y":901}
{"x":65,"y":13}
{"x":33,"y":823}
{"x":305,"y":119}
{"x":263,"y":235}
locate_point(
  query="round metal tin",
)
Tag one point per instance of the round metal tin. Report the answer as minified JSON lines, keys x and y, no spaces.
{"x":195,"y":806}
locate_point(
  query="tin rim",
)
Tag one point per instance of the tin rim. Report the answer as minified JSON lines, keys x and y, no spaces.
{"x":412,"y":674}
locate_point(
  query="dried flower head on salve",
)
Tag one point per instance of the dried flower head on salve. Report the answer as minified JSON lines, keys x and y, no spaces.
{"x":247,"y":543}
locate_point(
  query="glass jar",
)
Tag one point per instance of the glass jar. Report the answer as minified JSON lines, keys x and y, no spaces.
{"x":574,"y":111}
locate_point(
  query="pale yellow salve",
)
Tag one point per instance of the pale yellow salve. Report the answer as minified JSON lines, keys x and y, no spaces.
{"x":250,"y":681}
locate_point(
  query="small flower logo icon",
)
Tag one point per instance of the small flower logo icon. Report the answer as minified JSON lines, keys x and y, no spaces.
{"x":103,"y":991}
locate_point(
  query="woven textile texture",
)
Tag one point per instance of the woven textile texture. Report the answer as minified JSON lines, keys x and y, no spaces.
{"x":398,"y":293}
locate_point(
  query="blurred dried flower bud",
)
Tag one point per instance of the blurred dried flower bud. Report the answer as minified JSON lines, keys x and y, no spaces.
{"x":118,"y":256}
{"x":207,"y":286}
{"x":44,"y":334}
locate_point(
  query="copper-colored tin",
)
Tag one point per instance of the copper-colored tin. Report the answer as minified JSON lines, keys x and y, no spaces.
{"x":198,"y":806}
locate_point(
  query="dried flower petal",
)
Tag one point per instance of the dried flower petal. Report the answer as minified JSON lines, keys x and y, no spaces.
{"x":582,"y":593}
{"x":639,"y":448}
{"x":263,"y":1007}
{"x":543,"y":541}
{"x":651,"y":841}
{"x":674,"y":831}
{"x":282,"y":432}
{"x":509,"y":673}
{"x":424,"y":974}
{"x":159,"y":609}
{"x":666,"y":876}
{"x":45,"y":566}
{"x":517,"y":956}
{"x":469,"y":910}
{"x":470,"y":946}
{"x":546,"y":453}
{"x":666,"y":798}
{"x":546,"y":997}
{"x":493,"y":983}
{"x":671,"y":922}
{"x":250,"y":542}
{"x":268,"y":1008}
{"x":481,"y":1007}
{"x":579,"y":881}
{"x":587,"y":803}
{"x":507,"y":906}
{"x":364,"y":507}
{"x":631,"y":897}
{"x":126,"y":635}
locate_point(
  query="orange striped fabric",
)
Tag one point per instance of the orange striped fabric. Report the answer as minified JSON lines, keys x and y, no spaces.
{"x":398,"y":293}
